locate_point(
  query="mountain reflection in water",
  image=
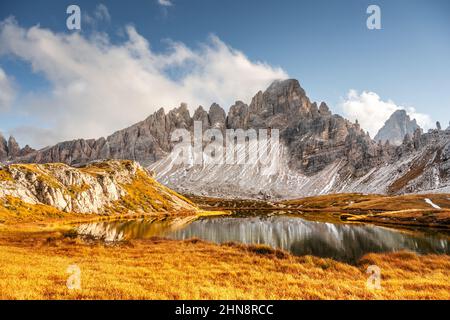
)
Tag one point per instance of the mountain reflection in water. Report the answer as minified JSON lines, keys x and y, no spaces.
{"x":345,"y":242}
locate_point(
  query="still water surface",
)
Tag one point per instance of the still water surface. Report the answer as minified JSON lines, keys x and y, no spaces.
{"x":345,"y":242}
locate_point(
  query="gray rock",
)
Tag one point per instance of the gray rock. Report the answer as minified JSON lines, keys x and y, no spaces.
{"x":96,"y":188}
{"x":13,"y":147}
{"x":10,"y":150}
{"x":322,"y":152}
{"x":3,"y":148}
{"x":238,"y":116}
{"x":396,"y":127}
{"x":314,"y":136}
{"x":324,"y":110}
{"x":201,"y":115}
{"x":217,"y":116}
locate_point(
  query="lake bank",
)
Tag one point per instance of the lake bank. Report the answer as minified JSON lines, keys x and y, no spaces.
{"x":33,"y":265}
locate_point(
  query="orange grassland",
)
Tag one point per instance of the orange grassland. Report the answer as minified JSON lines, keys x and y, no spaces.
{"x":34,"y":262}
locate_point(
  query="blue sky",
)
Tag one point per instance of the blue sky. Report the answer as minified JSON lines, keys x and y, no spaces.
{"x":324,"y":44}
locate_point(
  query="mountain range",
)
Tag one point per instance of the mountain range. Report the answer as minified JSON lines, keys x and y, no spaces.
{"x":320,"y":152}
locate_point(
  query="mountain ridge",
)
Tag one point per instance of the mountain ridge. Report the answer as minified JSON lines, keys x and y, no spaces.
{"x":321,"y":152}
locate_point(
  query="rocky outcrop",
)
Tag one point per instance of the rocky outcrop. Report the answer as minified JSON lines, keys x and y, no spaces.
{"x":10,"y":150}
{"x":396,"y":128}
{"x":3,"y":148}
{"x":102,"y":187}
{"x":202,"y":116}
{"x":217,"y":116}
{"x":238,"y":116}
{"x":13,"y":147}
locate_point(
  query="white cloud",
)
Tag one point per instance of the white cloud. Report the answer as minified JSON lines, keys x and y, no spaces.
{"x":34,"y":136}
{"x":7,"y":91}
{"x":372,"y":112}
{"x":166,"y":3}
{"x":100,"y":15}
{"x":98,"y":87}
{"x":102,"y":12}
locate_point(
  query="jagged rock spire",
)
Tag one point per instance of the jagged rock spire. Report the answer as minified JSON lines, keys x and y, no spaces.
{"x":13,"y":147}
{"x":10,"y":150}
{"x":396,"y":127}
{"x":3,"y":148}
{"x":217,"y":116}
{"x":202,"y":115}
{"x":323,"y":109}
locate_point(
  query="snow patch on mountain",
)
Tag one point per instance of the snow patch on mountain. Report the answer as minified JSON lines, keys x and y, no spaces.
{"x":432,"y":204}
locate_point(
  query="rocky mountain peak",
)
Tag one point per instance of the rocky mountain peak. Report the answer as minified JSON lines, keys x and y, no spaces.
{"x":180,"y":116}
{"x":396,"y":127}
{"x":217,"y":116}
{"x":9,"y":149}
{"x":282,"y":102}
{"x":13,"y":147}
{"x":3,"y":147}
{"x":202,"y":115}
{"x":282,"y":96}
{"x":324,"y":110}
{"x":280,"y":87}
{"x":238,"y":116}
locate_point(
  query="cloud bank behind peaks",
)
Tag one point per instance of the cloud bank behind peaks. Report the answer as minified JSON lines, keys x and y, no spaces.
{"x":372,"y":112}
{"x":166,"y":3}
{"x":98,"y":87}
{"x":7,"y":91}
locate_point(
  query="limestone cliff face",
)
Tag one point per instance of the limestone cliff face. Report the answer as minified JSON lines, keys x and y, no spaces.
{"x":10,"y":150}
{"x":314,"y":136}
{"x":3,"y":148}
{"x":102,"y":187}
{"x":396,"y":128}
{"x":322,"y":152}
{"x":144,"y":142}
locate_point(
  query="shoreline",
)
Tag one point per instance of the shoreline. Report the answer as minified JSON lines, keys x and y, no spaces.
{"x":33,"y":265}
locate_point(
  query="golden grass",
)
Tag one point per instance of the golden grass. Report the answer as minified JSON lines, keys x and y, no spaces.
{"x":407,"y":210}
{"x":13,"y":210}
{"x":402,"y":202}
{"x":144,"y":194}
{"x":41,"y":172}
{"x":36,"y":250}
{"x":34,"y":267}
{"x":5,"y":175}
{"x":331,"y":201}
{"x":363,"y":202}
